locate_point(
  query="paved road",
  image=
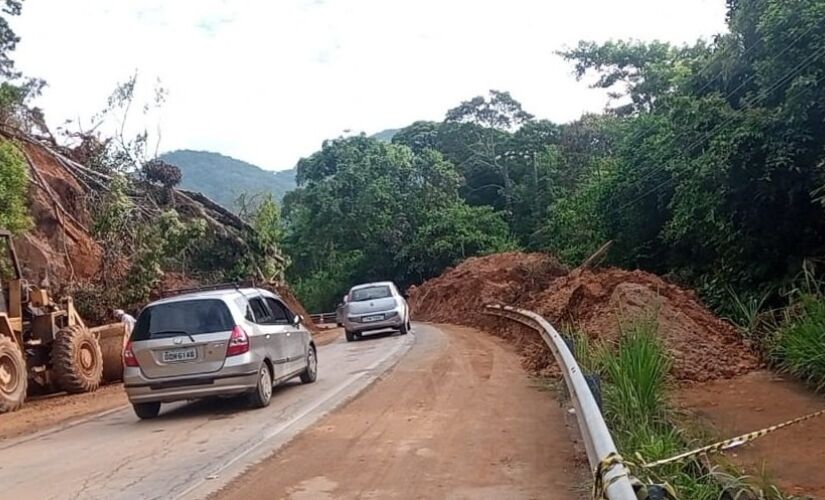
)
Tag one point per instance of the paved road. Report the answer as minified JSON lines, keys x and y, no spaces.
{"x":192,"y":449}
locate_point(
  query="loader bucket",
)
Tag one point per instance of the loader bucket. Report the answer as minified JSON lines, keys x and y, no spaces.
{"x":112,"y":339}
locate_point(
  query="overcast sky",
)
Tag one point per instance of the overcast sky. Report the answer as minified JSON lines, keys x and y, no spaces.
{"x":267,"y":80}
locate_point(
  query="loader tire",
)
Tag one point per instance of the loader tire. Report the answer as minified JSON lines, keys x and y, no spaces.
{"x":13,"y":376}
{"x":76,"y":360}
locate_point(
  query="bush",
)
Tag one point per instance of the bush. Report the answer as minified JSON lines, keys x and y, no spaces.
{"x":14,"y":185}
{"x":800,"y":342}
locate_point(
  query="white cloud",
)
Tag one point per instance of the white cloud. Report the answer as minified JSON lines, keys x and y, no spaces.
{"x":267,"y":81}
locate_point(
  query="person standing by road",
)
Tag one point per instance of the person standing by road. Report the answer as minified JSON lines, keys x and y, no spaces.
{"x":127,"y":319}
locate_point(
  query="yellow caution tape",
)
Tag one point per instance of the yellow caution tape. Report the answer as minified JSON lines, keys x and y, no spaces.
{"x":599,"y":485}
{"x":733,"y":442}
{"x":641,"y":490}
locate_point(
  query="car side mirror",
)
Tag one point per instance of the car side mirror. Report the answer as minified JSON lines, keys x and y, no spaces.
{"x":297,"y":320}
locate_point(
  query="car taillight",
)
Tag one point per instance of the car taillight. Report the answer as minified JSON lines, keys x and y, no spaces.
{"x":129,"y":358}
{"x":238,"y":342}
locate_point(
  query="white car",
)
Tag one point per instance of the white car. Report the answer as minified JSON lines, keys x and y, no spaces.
{"x":373,"y":307}
{"x":215,"y":342}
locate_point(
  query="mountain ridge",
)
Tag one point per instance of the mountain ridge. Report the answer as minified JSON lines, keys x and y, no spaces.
{"x":224,"y":178}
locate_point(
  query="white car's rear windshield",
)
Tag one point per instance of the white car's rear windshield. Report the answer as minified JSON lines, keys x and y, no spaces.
{"x":370,"y":293}
{"x":186,"y":317}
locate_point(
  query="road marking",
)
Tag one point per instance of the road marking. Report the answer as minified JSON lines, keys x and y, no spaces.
{"x":399,"y":350}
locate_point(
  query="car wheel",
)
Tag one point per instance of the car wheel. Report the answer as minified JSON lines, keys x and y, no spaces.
{"x":146,"y":411}
{"x":350,"y":336}
{"x":311,"y":372}
{"x":404,"y":329}
{"x":262,"y":395}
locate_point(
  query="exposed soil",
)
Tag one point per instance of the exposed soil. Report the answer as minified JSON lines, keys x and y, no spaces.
{"x":60,"y":244}
{"x":792,"y":457}
{"x":457,"y":418}
{"x":702,"y":346}
{"x":40,"y":413}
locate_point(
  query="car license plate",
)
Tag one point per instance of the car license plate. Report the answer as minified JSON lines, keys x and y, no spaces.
{"x":378,"y":317}
{"x":180,"y":355}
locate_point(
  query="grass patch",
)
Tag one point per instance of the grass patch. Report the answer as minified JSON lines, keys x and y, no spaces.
{"x":635,"y":393}
{"x":635,"y":404}
{"x":799,"y":347}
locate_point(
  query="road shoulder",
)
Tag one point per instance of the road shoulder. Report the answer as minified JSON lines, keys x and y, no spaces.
{"x":455,"y":418}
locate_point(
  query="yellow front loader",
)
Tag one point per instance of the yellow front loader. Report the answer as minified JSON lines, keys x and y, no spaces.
{"x":44,"y":344}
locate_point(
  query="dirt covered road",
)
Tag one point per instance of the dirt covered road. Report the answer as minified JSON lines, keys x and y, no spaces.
{"x":456,"y":418}
{"x":191,"y":450}
{"x":45,"y":412}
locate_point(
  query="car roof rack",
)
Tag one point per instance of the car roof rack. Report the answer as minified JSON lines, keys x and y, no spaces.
{"x":236,"y":285}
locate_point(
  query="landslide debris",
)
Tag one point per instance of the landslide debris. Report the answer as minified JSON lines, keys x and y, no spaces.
{"x":594,"y":302}
{"x":61,"y":249}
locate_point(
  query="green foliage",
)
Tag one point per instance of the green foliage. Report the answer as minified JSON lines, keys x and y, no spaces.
{"x":749,"y":312}
{"x":637,"y":370}
{"x":224,"y":179}
{"x":267,"y":235}
{"x":14,"y":184}
{"x":8,"y":39}
{"x":450,"y":235}
{"x":713,"y":171}
{"x":325,"y":287}
{"x":15,"y":104}
{"x":368,"y":210}
{"x":636,"y":408}
{"x":800,"y":342}
{"x":115,"y":212}
{"x":167,"y":243}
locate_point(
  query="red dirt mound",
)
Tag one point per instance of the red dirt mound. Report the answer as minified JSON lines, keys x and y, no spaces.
{"x":702,"y":346}
{"x":460,"y":293}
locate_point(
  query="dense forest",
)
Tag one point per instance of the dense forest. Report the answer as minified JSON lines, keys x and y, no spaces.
{"x":708,"y":167}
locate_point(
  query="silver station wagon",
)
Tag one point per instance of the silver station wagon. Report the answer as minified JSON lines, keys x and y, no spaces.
{"x":215,"y":342}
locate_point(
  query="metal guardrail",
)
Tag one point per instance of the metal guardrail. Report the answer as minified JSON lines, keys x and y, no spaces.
{"x":323,"y":318}
{"x":598,"y":443}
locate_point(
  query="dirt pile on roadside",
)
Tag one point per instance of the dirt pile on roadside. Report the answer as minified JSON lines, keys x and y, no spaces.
{"x":701,"y":345}
{"x":460,"y":293}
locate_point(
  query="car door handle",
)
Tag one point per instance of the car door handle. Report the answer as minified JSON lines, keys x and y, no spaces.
{"x":288,"y":334}
{"x":267,"y":336}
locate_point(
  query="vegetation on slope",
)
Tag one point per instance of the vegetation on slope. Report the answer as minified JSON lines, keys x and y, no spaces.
{"x":709,"y":169}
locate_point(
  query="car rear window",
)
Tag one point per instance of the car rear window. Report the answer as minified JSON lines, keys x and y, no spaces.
{"x":186,"y":317}
{"x":370,"y":293}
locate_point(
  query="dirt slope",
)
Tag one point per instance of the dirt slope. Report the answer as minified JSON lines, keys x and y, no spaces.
{"x":792,"y":457}
{"x":60,"y":242}
{"x":702,"y":346}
